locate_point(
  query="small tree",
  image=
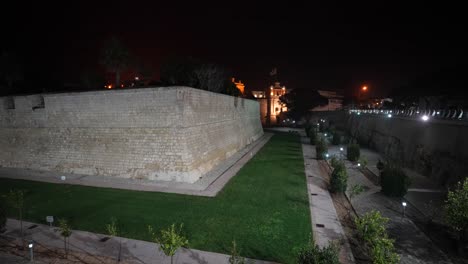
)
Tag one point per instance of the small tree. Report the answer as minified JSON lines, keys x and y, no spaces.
{"x":16,"y":200}
{"x":65,"y":232}
{"x":113,"y":230}
{"x":353,"y":152}
{"x":394,"y":181}
{"x":339,"y":178}
{"x":456,"y":207}
{"x":321,"y":149}
{"x":170,"y":240}
{"x":235,"y":257}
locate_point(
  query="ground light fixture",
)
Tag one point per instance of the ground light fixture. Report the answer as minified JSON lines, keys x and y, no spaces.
{"x":341,"y":149}
{"x":404,"y":207}
{"x":325,"y":134}
{"x":327,"y":155}
{"x":425,"y":118}
{"x":359,"y":164}
{"x":31,"y":250}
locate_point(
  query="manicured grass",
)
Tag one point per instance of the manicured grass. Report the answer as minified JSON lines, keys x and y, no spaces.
{"x":265,"y":207}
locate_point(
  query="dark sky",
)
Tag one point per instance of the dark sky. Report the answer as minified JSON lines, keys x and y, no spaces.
{"x":313,"y":45}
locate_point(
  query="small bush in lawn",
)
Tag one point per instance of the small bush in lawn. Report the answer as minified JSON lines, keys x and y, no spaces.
{"x":456,"y":207}
{"x":394,"y":181}
{"x":312,"y":254}
{"x":336,"y":140}
{"x":321,"y":149}
{"x":353,"y":152}
{"x":339,"y":178}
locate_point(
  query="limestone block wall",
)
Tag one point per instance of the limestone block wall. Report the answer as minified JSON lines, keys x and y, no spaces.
{"x":169,"y":133}
{"x":437,"y":148}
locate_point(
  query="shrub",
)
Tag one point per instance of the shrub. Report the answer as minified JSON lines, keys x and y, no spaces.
{"x":394,"y":181}
{"x":336,"y":140}
{"x":312,"y":254}
{"x":313,"y":136}
{"x":321,"y":149}
{"x":353,"y":152}
{"x":334,"y":161}
{"x":456,"y":206}
{"x":371,"y":230}
{"x":339,"y":178}
{"x":363,"y":162}
{"x":356,"y":190}
{"x":380,"y":165}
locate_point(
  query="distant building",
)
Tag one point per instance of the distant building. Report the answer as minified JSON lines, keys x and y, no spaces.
{"x":239,"y":85}
{"x":335,"y":101}
{"x":271,"y":98}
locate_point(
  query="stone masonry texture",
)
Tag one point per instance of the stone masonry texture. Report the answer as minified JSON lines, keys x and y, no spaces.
{"x":167,"y":133}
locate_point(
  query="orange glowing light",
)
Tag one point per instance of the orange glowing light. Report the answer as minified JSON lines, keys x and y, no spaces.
{"x":109,"y":86}
{"x":364,"y":88}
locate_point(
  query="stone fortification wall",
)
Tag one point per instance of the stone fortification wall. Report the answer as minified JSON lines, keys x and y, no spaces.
{"x":169,"y":133}
{"x":436,"y":148}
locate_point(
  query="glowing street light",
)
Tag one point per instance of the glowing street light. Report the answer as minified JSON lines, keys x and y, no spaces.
{"x":425,"y":118}
{"x":364,"y":88}
{"x":404,"y":207}
{"x":327,"y":155}
{"x":389,"y":115}
{"x":341,"y":149}
{"x":31,"y":252}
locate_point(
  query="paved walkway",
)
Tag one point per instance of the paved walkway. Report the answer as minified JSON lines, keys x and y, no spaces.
{"x":325,"y":223}
{"x":133,"y":251}
{"x":411,"y":243}
{"x":209,"y":185}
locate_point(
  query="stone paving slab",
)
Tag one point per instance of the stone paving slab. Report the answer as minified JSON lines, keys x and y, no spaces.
{"x":137,"y":250}
{"x":209,"y":185}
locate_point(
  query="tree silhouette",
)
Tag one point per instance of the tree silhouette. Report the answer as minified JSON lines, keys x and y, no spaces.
{"x":115,"y":57}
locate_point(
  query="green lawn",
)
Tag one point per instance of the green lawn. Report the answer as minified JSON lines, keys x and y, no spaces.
{"x":265,"y":207}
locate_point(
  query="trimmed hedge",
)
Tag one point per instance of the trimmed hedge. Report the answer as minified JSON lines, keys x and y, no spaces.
{"x":353,"y":152}
{"x":339,"y":178}
{"x":394,"y":181}
{"x":321,"y":149}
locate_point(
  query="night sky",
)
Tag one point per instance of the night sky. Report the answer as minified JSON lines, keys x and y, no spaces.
{"x":314,"y":46}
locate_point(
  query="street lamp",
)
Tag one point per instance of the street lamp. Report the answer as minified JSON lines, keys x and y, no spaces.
{"x":31,"y":252}
{"x":404,"y":208}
